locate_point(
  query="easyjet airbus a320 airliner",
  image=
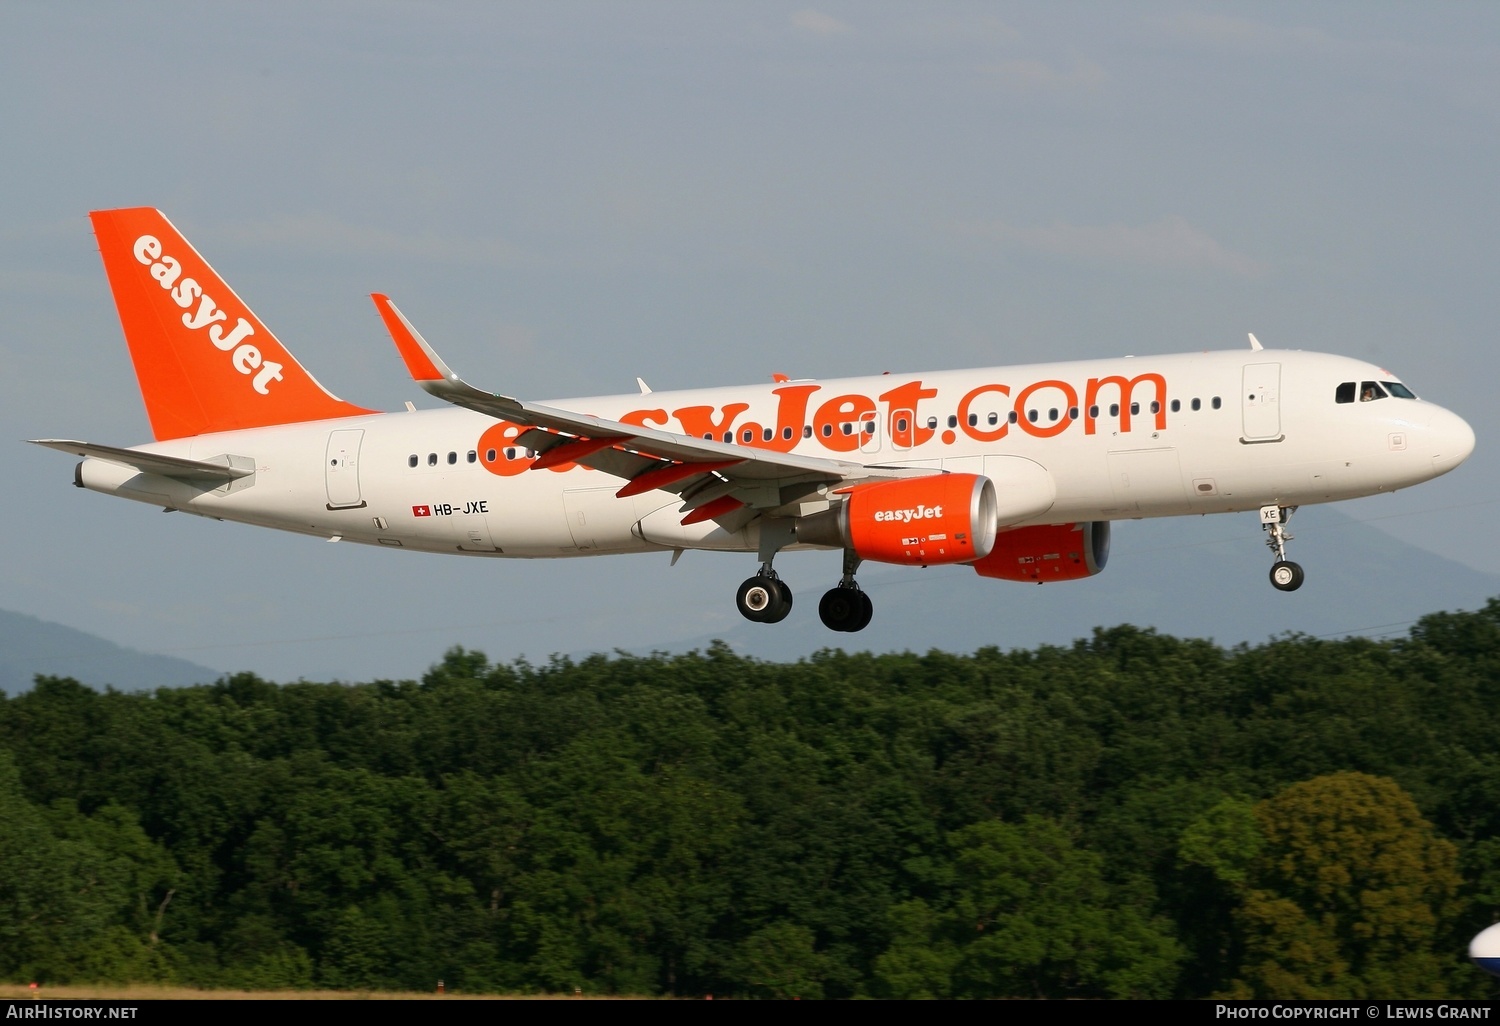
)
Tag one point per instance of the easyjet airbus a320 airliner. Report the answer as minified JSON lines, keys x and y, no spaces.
{"x":1015,"y":471}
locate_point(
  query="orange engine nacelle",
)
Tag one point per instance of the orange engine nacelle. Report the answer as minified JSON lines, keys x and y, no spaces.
{"x":923,"y":521}
{"x":1056,"y":552}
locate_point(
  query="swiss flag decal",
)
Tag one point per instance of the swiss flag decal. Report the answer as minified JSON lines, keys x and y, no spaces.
{"x":421,"y":511}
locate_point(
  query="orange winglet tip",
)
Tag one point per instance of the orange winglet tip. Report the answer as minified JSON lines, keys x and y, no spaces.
{"x":659,"y":477}
{"x":709,"y":510}
{"x":408,"y":343}
{"x":571,"y":452}
{"x":780,"y":378}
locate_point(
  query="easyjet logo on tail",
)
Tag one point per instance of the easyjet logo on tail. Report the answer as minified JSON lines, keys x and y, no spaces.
{"x":186,"y":293}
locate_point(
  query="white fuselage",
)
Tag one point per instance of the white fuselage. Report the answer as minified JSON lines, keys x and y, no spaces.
{"x":1123,"y":438}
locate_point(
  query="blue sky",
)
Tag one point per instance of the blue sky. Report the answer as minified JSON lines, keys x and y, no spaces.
{"x":566,"y":195}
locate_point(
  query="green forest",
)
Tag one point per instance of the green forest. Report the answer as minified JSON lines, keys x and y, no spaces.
{"x":1133,"y":816}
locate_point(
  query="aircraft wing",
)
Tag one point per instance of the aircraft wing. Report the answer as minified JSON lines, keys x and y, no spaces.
{"x":152,"y":463}
{"x":718,"y":480}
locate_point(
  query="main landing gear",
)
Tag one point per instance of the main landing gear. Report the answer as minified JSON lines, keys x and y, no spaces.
{"x":765,"y":598}
{"x":1285,"y":575}
{"x":844,"y":607}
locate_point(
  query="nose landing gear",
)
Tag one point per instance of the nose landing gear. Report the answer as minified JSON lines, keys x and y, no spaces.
{"x":1285,"y":575}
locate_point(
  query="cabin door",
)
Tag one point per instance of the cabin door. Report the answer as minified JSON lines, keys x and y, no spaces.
{"x":1261,"y":397}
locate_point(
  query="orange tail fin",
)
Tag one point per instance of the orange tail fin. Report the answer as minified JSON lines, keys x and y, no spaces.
{"x":204,"y":361}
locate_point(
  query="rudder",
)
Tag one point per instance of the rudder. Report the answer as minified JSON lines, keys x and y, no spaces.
{"x":204,"y":361}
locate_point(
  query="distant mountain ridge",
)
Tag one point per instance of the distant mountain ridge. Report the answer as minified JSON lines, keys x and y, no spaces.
{"x":29,"y":646}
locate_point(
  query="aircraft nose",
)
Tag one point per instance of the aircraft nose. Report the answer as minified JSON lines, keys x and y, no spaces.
{"x":1452,"y":440}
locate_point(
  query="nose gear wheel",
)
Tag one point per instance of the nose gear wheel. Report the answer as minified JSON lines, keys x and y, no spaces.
{"x":1285,"y":575}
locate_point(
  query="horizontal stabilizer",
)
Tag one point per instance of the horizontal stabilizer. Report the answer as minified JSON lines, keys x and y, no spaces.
{"x":152,"y":463}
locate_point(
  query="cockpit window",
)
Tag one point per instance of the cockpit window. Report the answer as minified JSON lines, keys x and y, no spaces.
{"x":1398,"y":390}
{"x":1345,"y":393}
{"x":1370,"y":391}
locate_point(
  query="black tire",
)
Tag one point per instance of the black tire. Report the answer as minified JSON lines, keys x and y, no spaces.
{"x":838,"y":608}
{"x":1286,"y":576}
{"x":758,"y":598}
{"x":784,"y":604}
{"x":866,"y":613}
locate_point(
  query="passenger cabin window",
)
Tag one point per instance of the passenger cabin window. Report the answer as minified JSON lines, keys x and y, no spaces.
{"x":1197,"y":405}
{"x":412,"y":461}
{"x":452,"y":458}
{"x":1344,"y":393}
{"x":473,"y":456}
{"x":432,"y":459}
{"x":1217,"y":402}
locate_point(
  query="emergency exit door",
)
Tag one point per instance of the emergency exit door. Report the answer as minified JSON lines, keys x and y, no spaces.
{"x":341,"y":469}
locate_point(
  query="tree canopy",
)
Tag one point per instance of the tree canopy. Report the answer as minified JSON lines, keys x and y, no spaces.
{"x":1134,"y":815}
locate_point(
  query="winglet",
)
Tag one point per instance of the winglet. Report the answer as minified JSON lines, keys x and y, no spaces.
{"x":429,"y":371}
{"x":422,"y":362}
{"x":1255,"y":343}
